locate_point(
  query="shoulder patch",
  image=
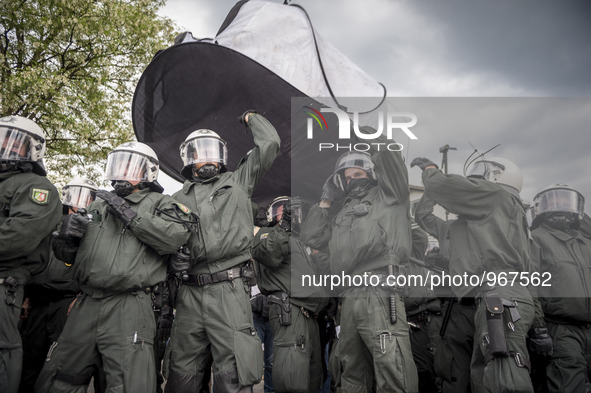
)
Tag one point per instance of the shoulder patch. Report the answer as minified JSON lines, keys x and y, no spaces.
{"x":184,"y":208}
{"x":40,"y":196}
{"x":264,"y":236}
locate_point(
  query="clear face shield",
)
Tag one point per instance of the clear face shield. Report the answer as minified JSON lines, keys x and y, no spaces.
{"x":18,"y":145}
{"x":77,"y":196}
{"x":275,"y":210}
{"x":204,"y":150}
{"x":129,"y":166}
{"x":486,"y":170}
{"x":559,"y":200}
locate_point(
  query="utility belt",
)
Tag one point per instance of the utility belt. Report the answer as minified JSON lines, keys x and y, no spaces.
{"x":214,"y":278}
{"x":496,"y":340}
{"x":11,"y":284}
{"x":285,"y":308}
{"x":105,"y":293}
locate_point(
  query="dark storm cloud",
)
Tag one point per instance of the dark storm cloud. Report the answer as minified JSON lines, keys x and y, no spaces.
{"x":542,"y":46}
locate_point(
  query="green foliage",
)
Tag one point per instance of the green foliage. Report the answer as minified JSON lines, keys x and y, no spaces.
{"x":72,"y":66}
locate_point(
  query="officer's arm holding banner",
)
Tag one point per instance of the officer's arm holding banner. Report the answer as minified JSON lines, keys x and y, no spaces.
{"x":262,"y":156}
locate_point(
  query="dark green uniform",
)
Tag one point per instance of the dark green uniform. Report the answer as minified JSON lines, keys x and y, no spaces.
{"x":219,"y":314}
{"x":49,"y":294}
{"x":112,"y":321}
{"x":371,"y":348}
{"x":490,"y":235}
{"x":423,"y":311}
{"x":454,"y":352}
{"x":566,"y":255}
{"x":29,"y":210}
{"x":297,"y":356}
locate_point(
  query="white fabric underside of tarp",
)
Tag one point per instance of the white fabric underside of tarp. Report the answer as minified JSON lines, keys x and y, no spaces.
{"x":280,"y":38}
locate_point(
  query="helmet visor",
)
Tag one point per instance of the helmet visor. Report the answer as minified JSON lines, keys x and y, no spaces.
{"x":354,"y":160}
{"x":275,"y":210}
{"x":77,"y":196}
{"x":18,"y":145}
{"x":487,"y":170}
{"x":559,"y":200}
{"x":202,"y":150}
{"x":129,"y":166}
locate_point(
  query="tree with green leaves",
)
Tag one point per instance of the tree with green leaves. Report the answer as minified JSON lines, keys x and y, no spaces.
{"x":72,"y":66}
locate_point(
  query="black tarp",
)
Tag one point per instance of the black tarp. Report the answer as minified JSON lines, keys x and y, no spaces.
{"x":197,"y":85}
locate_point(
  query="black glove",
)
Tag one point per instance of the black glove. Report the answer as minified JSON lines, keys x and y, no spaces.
{"x":241,"y":119}
{"x":435,"y":258}
{"x":330,"y":191}
{"x":117,"y":206}
{"x":73,"y":227}
{"x":180,"y":262}
{"x":285,"y":221}
{"x":422,"y":162}
{"x":540,"y":341}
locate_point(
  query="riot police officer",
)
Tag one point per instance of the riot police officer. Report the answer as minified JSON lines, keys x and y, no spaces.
{"x":370,"y":235}
{"x":213,"y":303}
{"x":29,"y":211}
{"x":49,"y":294}
{"x":490,"y":235}
{"x":284,"y":259}
{"x":564,"y":254}
{"x":120,"y":250}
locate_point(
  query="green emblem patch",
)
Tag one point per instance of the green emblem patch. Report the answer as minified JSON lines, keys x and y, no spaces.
{"x":264,"y":236}
{"x":40,"y":196}
{"x":184,"y":208}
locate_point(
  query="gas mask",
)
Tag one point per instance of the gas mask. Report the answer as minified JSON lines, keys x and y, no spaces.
{"x":123,"y":188}
{"x":206,"y":171}
{"x":561,"y":220}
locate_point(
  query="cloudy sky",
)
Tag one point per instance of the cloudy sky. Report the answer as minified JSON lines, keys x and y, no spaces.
{"x":539,"y":49}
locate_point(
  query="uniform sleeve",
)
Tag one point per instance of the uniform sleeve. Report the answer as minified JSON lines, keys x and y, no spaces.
{"x":35,"y":210}
{"x":535,"y":266}
{"x":424,"y":216}
{"x":160,"y":229}
{"x":267,"y":145}
{"x":470,"y":198}
{"x":271,"y":247}
{"x":390,"y":170}
{"x":316,"y":230}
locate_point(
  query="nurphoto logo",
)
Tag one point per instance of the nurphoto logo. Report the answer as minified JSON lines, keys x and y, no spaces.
{"x":386,"y":122}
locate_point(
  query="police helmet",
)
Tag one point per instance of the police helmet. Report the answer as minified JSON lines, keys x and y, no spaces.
{"x":203,"y":146}
{"x":22,"y":140}
{"x":133,"y":161}
{"x":559,"y":198}
{"x":352,"y":159}
{"x":498,"y":170}
{"x":275,"y":208}
{"x":79,"y":193}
